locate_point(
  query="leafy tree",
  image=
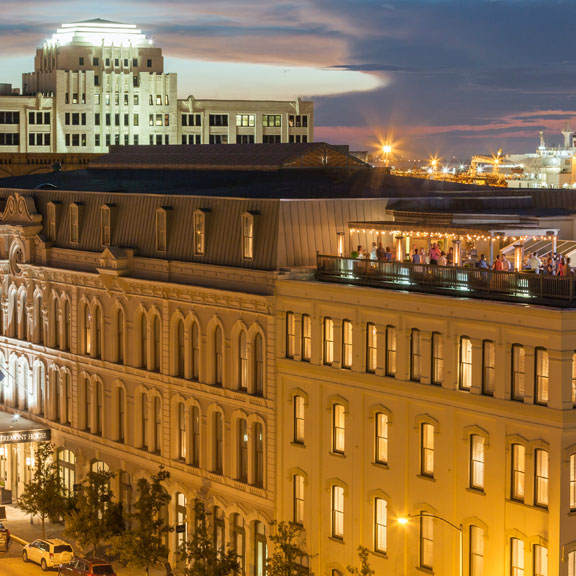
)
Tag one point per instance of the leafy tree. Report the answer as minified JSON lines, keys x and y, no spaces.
{"x":94,"y":517}
{"x":143,"y":546}
{"x":43,"y":495}
{"x":364,"y":569}
{"x":200,"y":553}
{"x":287,"y":557}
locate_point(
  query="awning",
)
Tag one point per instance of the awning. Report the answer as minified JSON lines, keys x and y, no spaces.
{"x":15,"y":429}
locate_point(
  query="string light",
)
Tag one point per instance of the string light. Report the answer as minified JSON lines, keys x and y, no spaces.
{"x":454,"y":235}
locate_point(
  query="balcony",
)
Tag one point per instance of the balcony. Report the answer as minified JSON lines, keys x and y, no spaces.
{"x":524,"y":287}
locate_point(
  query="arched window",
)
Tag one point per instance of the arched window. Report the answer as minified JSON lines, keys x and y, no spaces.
{"x":258,"y":366}
{"x":87,"y":404}
{"x":120,"y":336}
{"x":218,"y":357}
{"x":12,"y":313}
{"x":56,"y":400}
{"x":67,"y":333}
{"x":242,"y":454}
{"x":87,"y":337}
{"x":144,"y":420}
{"x":56,"y":322}
{"x":67,"y":470}
{"x":195,"y":358}
{"x":181,"y":519}
{"x":195,"y":436}
{"x":22,"y":317}
{"x":182,"y":444}
{"x":143,"y":342}
{"x":67,"y":390}
{"x":218,"y":443}
{"x":156,"y":343}
{"x":258,"y":454}
{"x":121,"y":413}
{"x":22,"y":384}
{"x":180,"y":354}
{"x":98,"y":332}
{"x":242,"y":362}
{"x":40,"y":387}
{"x":38,"y":321}
{"x":157,"y":425}
{"x":99,"y":407}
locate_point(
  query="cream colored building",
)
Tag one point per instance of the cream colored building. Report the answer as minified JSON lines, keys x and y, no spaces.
{"x":98,"y":84}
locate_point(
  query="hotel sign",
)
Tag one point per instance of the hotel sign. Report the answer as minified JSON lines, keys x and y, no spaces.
{"x":19,"y":436}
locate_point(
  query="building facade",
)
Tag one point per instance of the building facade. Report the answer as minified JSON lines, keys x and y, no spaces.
{"x":98,"y":84}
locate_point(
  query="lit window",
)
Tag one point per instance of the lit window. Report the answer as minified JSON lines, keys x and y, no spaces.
{"x":541,"y":481}
{"x":245,"y":120}
{"x":258,"y":454}
{"x":217,"y":442}
{"x":179,"y":349}
{"x":298,"y":506}
{"x":199,"y":232}
{"x":242,"y":362}
{"x":540,"y":560}
{"x":242,"y":450}
{"x":290,"y":334}
{"x":328,"y":341}
{"x":437,"y":358}
{"x":488,"y":368}
{"x":465,"y":373}
{"x":572,"y":481}
{"x":337,"y":512}
{"x":258,"y":365}
{"x":195,"y":444}
{"x":426,"y":542}
{"x":380,"y":519}
{"x":518,"y":471}
{"x":371,"y":348}
{"x":572,"y":563}
{"x":516,"y":557}
{"x":518,"y":372}
{"x":298,"y":419}
{"x":477,"y":462}
{"x":181,"y":431}
{"x":218,"y":357}
{"x":476,"y":551}
{"x":541,"y":376}
{"x":381,"y":444}
{"x":306,"y":338}
{"x":390,"y":351}
{"x":347,"y":344}
{"x":415,"y":356}
{"x":427,"y":450}
{"x":338,"y":428}
{"x":195,"y":337}
{"x":247,"y":236}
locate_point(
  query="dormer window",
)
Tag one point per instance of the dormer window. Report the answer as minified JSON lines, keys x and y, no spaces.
{"x":161,"y":240}
{"x":51,"y":217}
{"x":247,"y":236}
{"x":199,"y":232}
{"x":74,"y":223}
{"x":105,"y":225}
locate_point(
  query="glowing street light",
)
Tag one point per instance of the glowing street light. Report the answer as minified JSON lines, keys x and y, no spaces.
{"x":403,"y":520}
{"x":386,"y":150}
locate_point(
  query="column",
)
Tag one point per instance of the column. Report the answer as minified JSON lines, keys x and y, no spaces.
{"x":518,"y":257}
{"x":403,"y":354}
{"x":477,"y":367}
{"x":399,"y":248}
{"x":457,"y":254}
{"x":426,"y":358}
{"x":380,"y":350}
{"x":529,"y":381}
{"x":337,"y":324}
{"x":503,"y":363}
{"x":560,"y":379}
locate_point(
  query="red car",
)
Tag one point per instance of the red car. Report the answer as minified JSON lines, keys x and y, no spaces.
{"x":86,"y":567}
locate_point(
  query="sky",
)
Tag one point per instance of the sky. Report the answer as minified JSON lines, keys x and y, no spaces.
{"x":432,"y":77}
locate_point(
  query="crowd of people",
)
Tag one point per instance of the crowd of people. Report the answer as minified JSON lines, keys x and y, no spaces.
{"x":552,"y":264}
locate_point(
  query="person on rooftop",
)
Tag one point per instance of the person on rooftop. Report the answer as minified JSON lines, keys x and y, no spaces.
{"x":534,"y":263}
{"x":498,"y":264}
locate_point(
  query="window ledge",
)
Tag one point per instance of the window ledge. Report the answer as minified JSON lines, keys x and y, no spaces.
{"x":477,"y":491}
{"x":426,"y":477}
{"x":381,"y":465}
{"x":298,"y":444}
{"x":336,"y":539}
{"x":338,"y":454}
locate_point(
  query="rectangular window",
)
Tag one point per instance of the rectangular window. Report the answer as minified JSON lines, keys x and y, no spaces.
{"x":271,"y":139}
{"x":346,"y":344}
{"x":9,"y":117}
{"x":272,"y":120}
{"x":247,"y":236}
{"x":161,"y":230}
{"x":218,"y":119}
{"x":380,"y":520}
{"x":298,"y":121}
{"x":381,"y":439}
{"x":427,"y":450}
{"x":338,"y":428}
{"x":542,"y":381}
{"x":573,"y":482}
{"x":218,"y":139}
{"x":437,"y":359}
{"x":488,"y":368}
{"x":337,"y":512}
{"x":465,"y":368}
{"x":245,"y":139}
{"x":415,"y":356}
{"x":476,"y":551}
{"x":541,"y":478}
{"x":10,"y":139}
{"x":476,"y":462}
{"x":371,"y":348}
{"x":390,"y":351}
{"x":191,"y":120}
{"x":518,"y":471}
{"x":298,"y":419}
{"x":516,"y":557}
{"x":290,"y":334}
{"x":105,"y":226}
{"x":199,"y":233}
{"x":328,"y":341}
{"x":245,"y":120}
{"x":426,"y":542}
{"x":158,"y":119}
{"x":306,"y":338}
{"x":298,"y":506}
{"x":540,"y":560}
{"x":518,"y":372}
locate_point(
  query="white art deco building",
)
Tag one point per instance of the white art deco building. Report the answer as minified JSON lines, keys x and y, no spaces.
{"x":98,"y":83}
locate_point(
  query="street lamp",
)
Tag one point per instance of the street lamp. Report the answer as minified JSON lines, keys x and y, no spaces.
{"x":386,"y":150}
{"x":460,"y":528}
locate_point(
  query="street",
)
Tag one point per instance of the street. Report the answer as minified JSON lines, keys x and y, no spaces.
{"x":11,"y":563}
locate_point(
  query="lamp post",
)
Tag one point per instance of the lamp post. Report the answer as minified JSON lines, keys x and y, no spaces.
{"x":459,"y":528}
{"x":386,"y":149}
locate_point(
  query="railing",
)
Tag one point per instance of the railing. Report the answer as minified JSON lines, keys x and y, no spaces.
{"x":557,"y":291}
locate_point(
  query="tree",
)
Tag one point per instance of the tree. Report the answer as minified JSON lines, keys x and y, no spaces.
{"x":200,"y":553}
{"x":287,"y":558}
{"x":43,"y":495}
{"x":143,"y":546}
{"x":364,"y":569}
{"x":93,"y":516}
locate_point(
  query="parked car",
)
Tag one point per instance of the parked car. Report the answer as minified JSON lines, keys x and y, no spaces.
{"x":86,"y":567}
{"x":4,"y":538}
{"x":48,"y":552}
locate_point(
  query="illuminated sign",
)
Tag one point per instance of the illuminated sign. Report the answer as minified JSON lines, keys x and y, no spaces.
{"x":25,"y":436}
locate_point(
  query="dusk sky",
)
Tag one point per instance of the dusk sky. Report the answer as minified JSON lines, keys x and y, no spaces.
{"x":445,"y":77}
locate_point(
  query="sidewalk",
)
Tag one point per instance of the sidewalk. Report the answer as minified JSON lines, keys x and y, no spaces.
{"x":23,"y":531}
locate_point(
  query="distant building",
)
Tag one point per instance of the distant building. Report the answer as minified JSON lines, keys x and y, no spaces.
{"x":98,"y":84}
